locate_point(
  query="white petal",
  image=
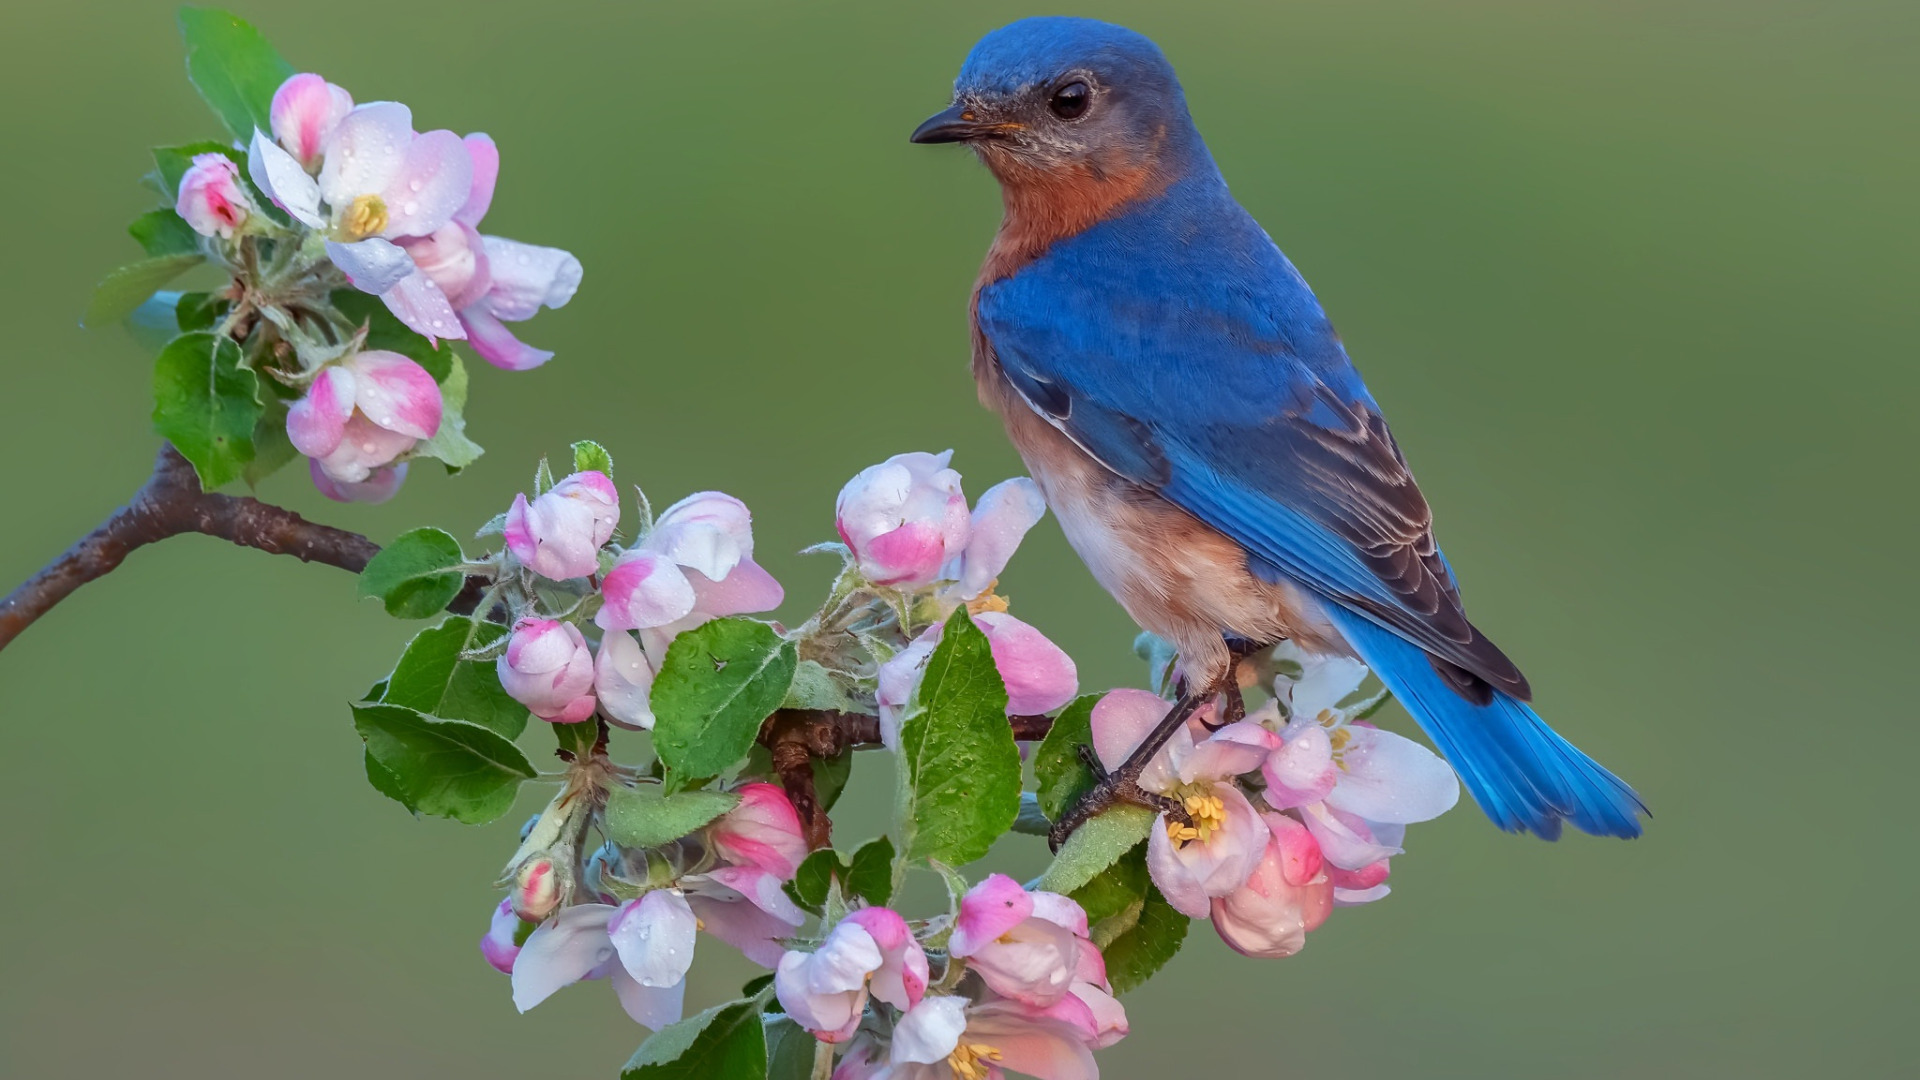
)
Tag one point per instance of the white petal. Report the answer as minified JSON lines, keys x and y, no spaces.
{"x":365,"y":151}
{"x":373,"y":265}
{"x":561,"y":952}
{"x":277,"y":174}
{"x":527,"y":277}
{"x":1327,"y":680}
{"x":1390,"y":778}
{"x":929,"y":1031}
{"x":650,"y":1006}
{"x":655,"y":937}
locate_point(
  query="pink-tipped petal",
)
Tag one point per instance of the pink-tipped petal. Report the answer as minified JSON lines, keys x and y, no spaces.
{"x":496,"y":344}
{"x":527,"y":277}
{"x":1347,"y":842}
{"x":1301,"y":771}
{"x":1039,"y":675}
{"x":987,"y":911}
{"x":364,"y":447}
{"x":748,"y":589}
{"x":317,"y":421}
{"x":365,"y":151}
{"x":1233,"y":750}
{"x":1269,"y":916}
{"x":486,"y":173}
{"x":396,"y":393}
{"x":909,"y":556}
{"x":433,"y":181}
{"x":304,"y":112}
{"x":1045,"y":1049}
{"x":380,"y":485}
{"x":763,"y":832}
{"x":497,"y":946}
{"x":644,"y":589}
{"x":1121,"y":721}
{"x":1297,"y":850}
{"x":901,"y":978}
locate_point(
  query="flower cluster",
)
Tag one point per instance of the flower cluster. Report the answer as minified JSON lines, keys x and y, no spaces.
{"x":1288,"y":813}
{"x":361,"y":199}
{"x":1023,"y":988}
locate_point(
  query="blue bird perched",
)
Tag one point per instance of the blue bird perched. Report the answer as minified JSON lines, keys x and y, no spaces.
{"x":1179,"y":395}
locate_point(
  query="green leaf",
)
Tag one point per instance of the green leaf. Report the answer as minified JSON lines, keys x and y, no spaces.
{"x":959,"y":770}
{"x":383,"y":780}
{"x":718,"y":683}
{"x":646,"y":816}
{"x":126,"y":288}
{"x":204,"y":403}
{"x":591,"y":456}
{"x":1031,"y":822}
{"x":170,"y":163}
{"x":432,"y":678}
{"x":445,"y":768}
{"x":1095,"y":846}
{"x":197,"y":311}
{"x":386,"y":331}
{"x":1133,"y":957}
{"x":809,"y":885}
{"x":790,"y":1049}
{"x":815,"y":687}
{"x":233,"y":67}
{"x":163,"y":232}
{"x":1063,"y":777}
{"x":415,"y":576}
{"x":542,"y":478}
{"x":450,"y":444}
{"x":272,"y":450}
{"x":870,"y":874}
{"x":1113,"y":898}
{"x":726,"y":1042}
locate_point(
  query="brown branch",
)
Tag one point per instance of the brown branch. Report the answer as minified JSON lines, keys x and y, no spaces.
{"x":171,"y":503}
{"x":795,"y":737}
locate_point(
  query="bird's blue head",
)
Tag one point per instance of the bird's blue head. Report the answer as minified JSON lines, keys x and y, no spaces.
{"x":1053,"y":100}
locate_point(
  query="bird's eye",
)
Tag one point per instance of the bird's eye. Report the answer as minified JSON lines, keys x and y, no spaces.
{"x":1070,"y":101}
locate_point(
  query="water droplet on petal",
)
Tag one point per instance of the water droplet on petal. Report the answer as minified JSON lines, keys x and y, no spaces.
{"x":410,"y":209}
{"x":413,"y":185}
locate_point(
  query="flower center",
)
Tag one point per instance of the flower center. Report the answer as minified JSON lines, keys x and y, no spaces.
{"x":1209,"y":814}
{"x":364,"y":216}
{"x":969,"y":1060}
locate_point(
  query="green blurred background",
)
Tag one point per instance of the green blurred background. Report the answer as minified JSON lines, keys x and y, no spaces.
{"x":1635,"y":282}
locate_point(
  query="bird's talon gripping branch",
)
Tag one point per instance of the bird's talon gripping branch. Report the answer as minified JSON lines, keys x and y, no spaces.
{"x":1123,"y":784}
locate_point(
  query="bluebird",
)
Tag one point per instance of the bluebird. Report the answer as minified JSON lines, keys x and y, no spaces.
{"x":1181,"y":398}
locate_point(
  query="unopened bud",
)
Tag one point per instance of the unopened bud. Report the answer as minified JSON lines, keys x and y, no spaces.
{"x":536,"y":889}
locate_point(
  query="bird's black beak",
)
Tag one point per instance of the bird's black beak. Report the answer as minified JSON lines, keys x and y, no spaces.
{"x":956,"y":123}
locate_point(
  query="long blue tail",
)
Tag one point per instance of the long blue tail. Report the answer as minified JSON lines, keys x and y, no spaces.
{"x":1526,"y":777}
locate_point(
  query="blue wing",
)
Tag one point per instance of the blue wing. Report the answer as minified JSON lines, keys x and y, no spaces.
{"x":1180,"y":348}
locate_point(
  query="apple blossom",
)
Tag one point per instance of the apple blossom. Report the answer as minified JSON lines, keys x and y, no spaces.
{"x":1286,"y":896}
{"x":1213,"y":856}
{"x":695,"y":564}
{"x":1024,"y":945}
{"x":870,"y":952}
{"x":559,"y":534}
{"x":536,"y":889}
{"x":644,"y":946}
{"x":548,"y":668}
{"x":904,"y":518}
{"x":305,"y":111}
{"x":363,"y":413}
{"x":498,"y":946}
{"x":211,"y":199}
{"x":951,"y":1038}
{"x":1039,"y":676}
{"x":745,"y":907}
{"x":762,"y":832}
{"x":623,"y":681}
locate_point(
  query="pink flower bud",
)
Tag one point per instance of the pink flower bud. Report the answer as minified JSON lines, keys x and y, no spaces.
{"x":1269,"y":916}
{"x":211,"y":198}
{"x":498,"y":947}
{"x":762,"y":832}
{"x":536,"y":889}
{"x":363,"y":414}
{"x":305,"y":111}
{"x":559,"y":534}
{"x":904,"y":518}
{"x":548,"y":668}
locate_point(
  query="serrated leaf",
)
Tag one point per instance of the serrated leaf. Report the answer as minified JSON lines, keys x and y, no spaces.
{"x":790,"y":1049}
{"x":870,"y":872}
{"x":590,"y":456}
{"x":444,"y":768}
{"x":1057,"y":766}
{"x":233,"y":67}
{"x":163,"y":232}
{"x":717,"y":684}
{"x":384,"y":781}
{"x":814,"y":687}
{"x":1096,"y":845}
{"x":646,"y":816}
{"x":126,"y":288}
{"x":432,"y":678}
{"x":1112,"y":891}
{"x":1134,"y":957}
{"x":727,"y":1042}
{"x":386,"y":331}
{"x":450,"y":444}
{"x":204,"y":403}
{"x":959,"y":787}
{"x":414,"y":576}
{"x":197,"y":311}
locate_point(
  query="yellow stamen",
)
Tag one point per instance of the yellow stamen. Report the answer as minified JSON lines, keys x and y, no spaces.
{"x":364,"y":216}
{"x":987,"y":601}
{"x":1209,"y":814}
{"x":968,"y":1060}
{"x":1340,"y":738}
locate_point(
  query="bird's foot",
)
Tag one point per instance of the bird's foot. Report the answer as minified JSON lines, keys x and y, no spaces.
{"x":1122,"y":785}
